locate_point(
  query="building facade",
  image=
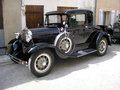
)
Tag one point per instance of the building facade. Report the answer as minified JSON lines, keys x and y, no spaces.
{"x":107,"y":12}
{"x":15,"y":15}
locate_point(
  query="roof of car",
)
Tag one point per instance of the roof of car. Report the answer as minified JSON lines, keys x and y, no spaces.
{"x":68,"y":11}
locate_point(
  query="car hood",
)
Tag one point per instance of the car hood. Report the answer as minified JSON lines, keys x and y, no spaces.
{"x":44,"y":34}
{"x":44,"y":30}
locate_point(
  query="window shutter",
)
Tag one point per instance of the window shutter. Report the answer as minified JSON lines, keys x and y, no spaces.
{"x":112,"y":17}
{"x":100,"y":17}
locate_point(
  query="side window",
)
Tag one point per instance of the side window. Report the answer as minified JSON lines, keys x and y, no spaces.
{"x":90,"y":18}
{"x":80,"y":18}
{"x":77,"y":19}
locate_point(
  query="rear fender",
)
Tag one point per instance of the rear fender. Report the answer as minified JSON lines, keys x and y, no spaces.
{"x":103,"y":34}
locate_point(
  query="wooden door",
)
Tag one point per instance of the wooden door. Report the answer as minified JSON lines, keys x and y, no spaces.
{"x":34,"y":16}
{"x":65,"y":8}
{"x":1,"y":15}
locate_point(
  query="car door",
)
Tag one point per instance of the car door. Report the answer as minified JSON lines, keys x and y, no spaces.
{"x":88,"y":28}
{"x":77,"y":27}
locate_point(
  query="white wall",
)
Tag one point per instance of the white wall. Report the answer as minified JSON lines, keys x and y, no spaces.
{"x":68,"y":3}
{"x":86,"y":4}
{"x":12,"y":18}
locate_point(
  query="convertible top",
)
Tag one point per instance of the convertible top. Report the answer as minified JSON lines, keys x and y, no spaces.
{"x":68,"y":11}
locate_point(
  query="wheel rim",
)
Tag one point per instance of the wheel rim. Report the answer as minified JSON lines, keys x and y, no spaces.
{"x":102,"y":46}
{"x":65,"y":44}
{"x":42,"y":63}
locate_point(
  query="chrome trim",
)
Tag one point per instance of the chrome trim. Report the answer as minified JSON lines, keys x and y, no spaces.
{"x":57,"y":37}
{"x":18,"y":60}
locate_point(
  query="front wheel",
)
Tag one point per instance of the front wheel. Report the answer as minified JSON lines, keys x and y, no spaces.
{"x":102,"y":47}
{"x":41,"y":63}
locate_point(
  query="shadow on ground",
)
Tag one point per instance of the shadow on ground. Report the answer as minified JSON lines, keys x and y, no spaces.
{"x":13,"y":74}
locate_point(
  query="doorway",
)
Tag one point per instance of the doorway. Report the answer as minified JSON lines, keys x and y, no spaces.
{"x":2,"y":42}
{"x":34,"y":16}
{"x":1,"y":16}
{"x":106,"y":18}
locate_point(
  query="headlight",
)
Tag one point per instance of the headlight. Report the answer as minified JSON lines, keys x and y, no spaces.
{"x":28,"y":38}
{"x":17,"y":34}
{"x":26,"y":35}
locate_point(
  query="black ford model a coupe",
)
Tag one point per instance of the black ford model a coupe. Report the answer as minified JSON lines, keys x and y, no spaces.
{"x":67,"y":34}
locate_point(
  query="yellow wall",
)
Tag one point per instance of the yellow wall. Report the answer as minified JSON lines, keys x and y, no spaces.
{"x":107,"y":5}
{"x":12,"y":18}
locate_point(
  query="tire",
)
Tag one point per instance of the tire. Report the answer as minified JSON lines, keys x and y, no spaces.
{"x":41,"y":63}
{"x":102,"y":46}
{"x":65,"y":49}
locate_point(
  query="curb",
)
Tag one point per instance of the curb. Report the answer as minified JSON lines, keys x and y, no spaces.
{"x":5,"y":59}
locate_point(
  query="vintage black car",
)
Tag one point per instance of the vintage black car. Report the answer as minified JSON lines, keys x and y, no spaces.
{"x":67,"y":34}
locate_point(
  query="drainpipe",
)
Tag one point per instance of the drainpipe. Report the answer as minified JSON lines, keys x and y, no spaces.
{"x":23,"y":18}
{"x":95,"y":10}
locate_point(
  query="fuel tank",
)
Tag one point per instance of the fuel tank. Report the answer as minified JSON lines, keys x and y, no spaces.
{"x":44,"y":34}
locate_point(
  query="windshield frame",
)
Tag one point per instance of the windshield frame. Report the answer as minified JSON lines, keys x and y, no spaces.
{"x":49,"y":24}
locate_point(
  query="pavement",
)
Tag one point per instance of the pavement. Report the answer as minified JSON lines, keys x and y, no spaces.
{"x":86,"y":73}
{"x":4,"y":59}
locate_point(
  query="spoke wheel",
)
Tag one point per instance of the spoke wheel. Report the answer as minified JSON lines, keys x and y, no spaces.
{"x":102,"y":47}
{"x":41,"y":63}
{"x":65,"y":44}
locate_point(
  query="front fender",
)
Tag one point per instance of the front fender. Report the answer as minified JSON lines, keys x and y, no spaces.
{"x":15,"y":46}
{"x":12,"y":41}
{"x":40,"y":46}
{"x":103,"y":34}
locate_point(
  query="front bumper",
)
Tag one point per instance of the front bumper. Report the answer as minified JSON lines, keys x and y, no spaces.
{"x":17,"y":60}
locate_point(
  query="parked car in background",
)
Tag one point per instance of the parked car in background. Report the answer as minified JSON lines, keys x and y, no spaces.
{"x":114,"y":32}
{"x":67,"y":34}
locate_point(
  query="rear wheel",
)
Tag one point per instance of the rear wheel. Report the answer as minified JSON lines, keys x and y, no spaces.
{"x":102,"y":47}
{"x":41,"y":63}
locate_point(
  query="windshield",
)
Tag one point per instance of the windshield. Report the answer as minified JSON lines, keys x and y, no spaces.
{"x":55,"y":20}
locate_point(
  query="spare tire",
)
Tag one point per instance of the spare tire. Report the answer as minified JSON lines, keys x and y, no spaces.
{"x":64,"y":44}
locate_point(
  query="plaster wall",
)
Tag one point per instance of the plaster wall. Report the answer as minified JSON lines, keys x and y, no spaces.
{"x":108,"y":5}
{"x":12,"y":18}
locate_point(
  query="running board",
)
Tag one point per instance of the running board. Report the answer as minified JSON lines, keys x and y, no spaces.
{"x":82,"y":53}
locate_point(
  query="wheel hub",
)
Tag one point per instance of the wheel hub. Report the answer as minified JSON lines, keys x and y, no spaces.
{"x":42,"y":62}
{"x":65,"y":44}
{"x":102,"y":46}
